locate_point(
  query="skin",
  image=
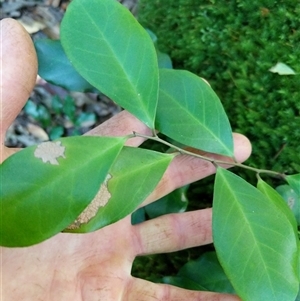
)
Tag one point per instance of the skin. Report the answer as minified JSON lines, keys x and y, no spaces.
{"x":97,"y":266}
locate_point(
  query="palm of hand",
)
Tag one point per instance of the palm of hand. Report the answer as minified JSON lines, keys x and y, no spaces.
{"x":97,"y":266}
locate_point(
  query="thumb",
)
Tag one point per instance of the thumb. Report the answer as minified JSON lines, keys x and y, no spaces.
{"x":18,"y":74}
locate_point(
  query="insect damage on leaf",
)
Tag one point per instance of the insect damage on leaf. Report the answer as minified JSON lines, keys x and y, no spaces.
{"x":49,"y":152}
{"x":100,"y":200}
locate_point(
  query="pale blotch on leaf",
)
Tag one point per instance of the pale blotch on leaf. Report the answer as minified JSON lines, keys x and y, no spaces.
{"x":100,"y":200}
{"x":49,"y":152}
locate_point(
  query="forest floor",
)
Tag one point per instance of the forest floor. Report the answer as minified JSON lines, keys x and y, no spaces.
{"x":42,"y":18}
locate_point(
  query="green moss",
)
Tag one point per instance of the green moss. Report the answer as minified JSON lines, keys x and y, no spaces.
{"x":233,"y":44}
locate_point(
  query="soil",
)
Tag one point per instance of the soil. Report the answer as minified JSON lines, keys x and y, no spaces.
{"x":42,"y":18}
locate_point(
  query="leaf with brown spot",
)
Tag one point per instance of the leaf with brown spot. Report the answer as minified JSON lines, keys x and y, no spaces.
{"x":134,"y":175}
{"x":39,"y":199}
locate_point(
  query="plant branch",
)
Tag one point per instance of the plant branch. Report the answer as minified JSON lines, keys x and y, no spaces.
{"x":216,"y":162}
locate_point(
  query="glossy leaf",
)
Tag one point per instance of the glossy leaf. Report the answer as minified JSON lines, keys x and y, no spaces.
{"x":174,"y":202}
{"x":134,"y":176}
{"x":112,"y":51}
{"x":299,"y":264}
{"x":291,"y":198}
{"x":277,"y":200}
{"x":55,"y":67}
{"x":138,"y":216}
{"x":294,"y":181}
{"x":45,"y":187}
{"x":191,"y":113}
{"x":183,"y":282}
{"x":255,"y":241}
{"x":298,"y":296}
{"x":289,"y":207}
{"x":164,"y":60}
{"x":205,"y":274}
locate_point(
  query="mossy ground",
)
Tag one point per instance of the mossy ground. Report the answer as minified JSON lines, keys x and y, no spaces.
{"x":233,"y":44}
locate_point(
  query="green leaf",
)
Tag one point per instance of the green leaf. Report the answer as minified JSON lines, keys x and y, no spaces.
{"x":274,"y":197}
{"x":55,"y":67}
{"x":298,"y":296}
{"x":112,"y":51}
{"x":282,"y":69}
{"x":132,"y":178}
{"x":291,"y":198}
{"x":191,"y":113}
{"x":255,"y":242}
{"x":174,"y":202}
{"x":183,"y":283}
{"x":164,"y":60}
{"x":294,"y":181}
{"x":44,"y":188}
{"x":205,"y":274}
{"x":138,"y":216}
{"x":299,"y":265}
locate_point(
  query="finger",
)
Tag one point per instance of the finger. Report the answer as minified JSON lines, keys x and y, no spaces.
{"x":139,"y":289}
{"x":168,"y":233}
{"x":122,"y":124}
{"x":18,"y":74}
{"x":19,"y":69}
{"x":187,"y":169}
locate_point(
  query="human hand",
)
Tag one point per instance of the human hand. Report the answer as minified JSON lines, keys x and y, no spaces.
{"x":97,"y":266}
